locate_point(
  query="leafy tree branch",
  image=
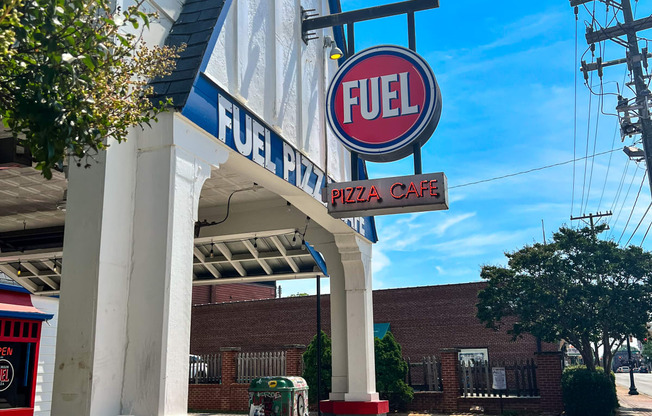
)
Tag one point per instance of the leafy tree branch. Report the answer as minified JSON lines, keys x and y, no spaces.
{"x":73,"y":73}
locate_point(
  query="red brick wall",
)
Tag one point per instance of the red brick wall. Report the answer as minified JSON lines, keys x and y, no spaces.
{"x":548,"y":380}
{"x":423,"y":320}
{"x":242,"y":291}
{"x":201,"y":295}
{"x":218,"y":397}
{"x":234,"y":292}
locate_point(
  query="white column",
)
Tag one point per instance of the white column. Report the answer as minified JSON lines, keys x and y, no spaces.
{"x":91,"y":335}
{"x":339,"y":375}
{"x":356,"y":261}
{"x":124,"y":322}
{"x":168,"y":183}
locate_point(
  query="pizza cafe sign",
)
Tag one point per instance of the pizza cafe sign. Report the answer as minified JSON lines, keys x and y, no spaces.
{"x":427,"y":192}
{"x":382,"y":103}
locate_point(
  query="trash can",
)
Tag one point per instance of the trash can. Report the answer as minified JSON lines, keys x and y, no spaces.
{"x":278,"y":396}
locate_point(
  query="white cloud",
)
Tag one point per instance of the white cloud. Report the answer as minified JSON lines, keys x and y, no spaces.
{"x":477,"y":244}
{"x":378,"y":260}
{"x":406,"y":232}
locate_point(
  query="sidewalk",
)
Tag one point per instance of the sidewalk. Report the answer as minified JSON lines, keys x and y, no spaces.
{"x":640,"y":405}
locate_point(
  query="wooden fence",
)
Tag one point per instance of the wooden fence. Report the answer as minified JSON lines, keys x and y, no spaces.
{"x":259,"y":364}
{"x":424,"y":375}
{"x":206,"y":368}
{"x":476,"y":379}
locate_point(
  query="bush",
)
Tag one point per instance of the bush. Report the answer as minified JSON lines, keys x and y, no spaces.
{"x":588,"y":393}
{"x":391,"y":370}
{"x":310,"y":368}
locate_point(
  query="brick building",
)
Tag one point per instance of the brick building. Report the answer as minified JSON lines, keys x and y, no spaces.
{"x":233,"y":292}
{"x":424,"y":320}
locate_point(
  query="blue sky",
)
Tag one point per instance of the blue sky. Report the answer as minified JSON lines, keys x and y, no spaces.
{"x":506,"y":71}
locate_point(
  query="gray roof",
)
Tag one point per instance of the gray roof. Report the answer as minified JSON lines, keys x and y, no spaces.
{"x":193,"y":28}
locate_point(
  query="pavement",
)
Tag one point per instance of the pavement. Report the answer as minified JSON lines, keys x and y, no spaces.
{"x":639,"y":405}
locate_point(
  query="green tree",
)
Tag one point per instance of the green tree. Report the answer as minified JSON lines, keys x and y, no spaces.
{"x":579,"y":288}
{"x":647,"y":350}
{"x":391,"y":370}
{"x":73,"y":73}
{"x":310,"y":367}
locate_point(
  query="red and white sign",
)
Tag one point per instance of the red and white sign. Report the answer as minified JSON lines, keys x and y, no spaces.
{"x":383,"y":100}
{"x":397,"y":195}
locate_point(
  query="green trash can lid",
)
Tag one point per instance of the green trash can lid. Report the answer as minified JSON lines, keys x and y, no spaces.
{"x":277,"y":383}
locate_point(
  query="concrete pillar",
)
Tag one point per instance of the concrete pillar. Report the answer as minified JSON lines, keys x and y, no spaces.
{"x":169,"y":181}
{"x":356,"y":261}
{"x":124,"y":320}
{"x":91,"y":337}
{"x":339,"y":376}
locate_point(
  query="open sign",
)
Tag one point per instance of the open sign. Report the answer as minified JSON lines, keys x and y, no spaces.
{"x":383,"y":100}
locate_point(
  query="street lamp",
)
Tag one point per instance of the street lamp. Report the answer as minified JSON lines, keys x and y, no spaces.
{"x":632,"y":387}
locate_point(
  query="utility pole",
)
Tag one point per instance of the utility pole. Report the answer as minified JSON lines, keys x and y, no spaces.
{"x":590,"y":217}
{"x":635,"y":61}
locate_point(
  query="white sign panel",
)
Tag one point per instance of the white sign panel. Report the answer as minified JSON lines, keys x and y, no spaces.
{"x":499,"y":378}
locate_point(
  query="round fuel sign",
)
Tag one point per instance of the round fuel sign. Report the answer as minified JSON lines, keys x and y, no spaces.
{"x":382,"y":101}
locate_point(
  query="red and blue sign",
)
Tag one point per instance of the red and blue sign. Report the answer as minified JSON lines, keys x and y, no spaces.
{"x":382,"y":101}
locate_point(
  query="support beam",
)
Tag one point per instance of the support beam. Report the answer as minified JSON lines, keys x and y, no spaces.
{"x":281,"y":248}
{"x":254,"y":279}
{"x":42,"y":276}
{"x":24,"y":282}
{"x":256,"y":255}
{"x":202,"y":260}
{"x":376,"y":12}
{"x":229,"y":257}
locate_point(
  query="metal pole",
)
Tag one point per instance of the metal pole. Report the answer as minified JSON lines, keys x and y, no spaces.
{"x":318,"y":344}
{"x":412,"y":43}
{"x":642,"y":92}
{"x":632,"y":387}
{"x":350,"y":50}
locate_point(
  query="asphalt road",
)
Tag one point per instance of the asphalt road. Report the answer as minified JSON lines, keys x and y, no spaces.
{"x":642,"y":381}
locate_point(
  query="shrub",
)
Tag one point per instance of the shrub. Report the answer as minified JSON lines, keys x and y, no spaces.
{"x":391,"y":370}
{"x":310,"y":368}
{"x":588,"y":393}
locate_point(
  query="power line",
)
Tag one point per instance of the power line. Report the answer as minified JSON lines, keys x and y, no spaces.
{"x":532,"y":170}
{"x":586,"y":152}
{"x":636,"y":59}
{"x":633,"y":206}
{"x":606,"y":176}
{"x":574,"y":112}
{"x":648,"y":230}
{"x":639,"y":223}
{"x":595,"y":141}
{"x":620,"y":185}
{"x":620,"y":211}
